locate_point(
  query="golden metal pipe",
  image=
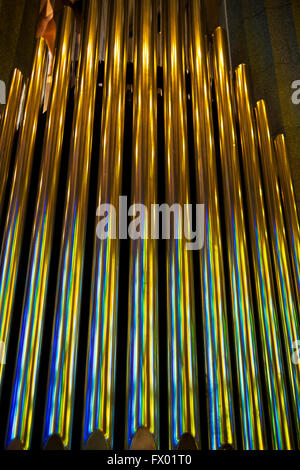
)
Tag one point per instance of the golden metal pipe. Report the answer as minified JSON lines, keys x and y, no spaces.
{"x":142,"y":350}
{"x":8,"y":129}
{"x":288,"y":302}
{"x":62,"y":368}
{"x":290,"y":209}
{"x":272,"y":354}
{"x":31,"y":332}
{"x":181,"y":327}
{"x":13,"y":232}
{"x":249,"y":389}
{"x":217,"y":359}
{"x":101,"y":354}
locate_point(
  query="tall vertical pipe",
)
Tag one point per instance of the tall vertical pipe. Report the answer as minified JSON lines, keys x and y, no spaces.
{"x":288,"y":301}
{"x":25,"y":380}
{"x":15,"y":220}
{"x":249,"y":389}
{"x":182,"y":353}
{"x":272,"y":353}
{"x":63,"y":356}
{"x":213,"y":296}
{"x":101,"y":355}
{"x":142,"y":352}
{"x":290,"y":209}
{"x":8,"y":127}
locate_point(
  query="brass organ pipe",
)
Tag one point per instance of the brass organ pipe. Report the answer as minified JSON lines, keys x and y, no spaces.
{"x":8,"y":127}
{"x":31,"y":332}
{"x":142,"y":350}
{"x":272,"y":353}
{"x":216,"y":346}
{"x":181,"y":334}
{"x":288,"y":301}
{"x":249,"y":389}
{"x":15,"y":220}
{"x":63,"y":355}
{"x":290,"y":209}
{"x":101,"y":354}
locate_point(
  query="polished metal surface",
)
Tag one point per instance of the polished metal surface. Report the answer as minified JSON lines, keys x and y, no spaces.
{"x":8,"y":128}
{"x":268,"y":314}
{"x":142,"y":402}
{"x":63,"y":355}
{"x":16,"y":213}
{"x":101,"y":355}
{"x":151,"y":328}
{"x":181,"y":326}
{"x":213,"y":296}
{"x":289,"y":208}
{"x":288,"y":302}
{"x":32,"y":322}
{"x":246,"y":355}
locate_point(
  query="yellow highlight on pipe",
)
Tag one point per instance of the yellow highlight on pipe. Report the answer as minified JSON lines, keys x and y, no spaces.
{"x":249,"y":388}
{"x":32,"y":322}
{"x":101,"y":355}
{"x":221,"y":426}
{"x":15,"y":220}
{"x":181,"y":325}
{"x":287,"y":295}
{"x":268,"y":315}
{"x":8,"y":129}
{"x":63,"y":356}
{"x":142,"y":350}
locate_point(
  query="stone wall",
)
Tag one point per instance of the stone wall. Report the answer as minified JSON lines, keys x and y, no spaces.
{"x":265,"y":34}
{"x":17,"y":33}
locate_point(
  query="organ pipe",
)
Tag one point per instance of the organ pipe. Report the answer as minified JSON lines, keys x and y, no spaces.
{"x":288,"y":301}
{"x":272,"y":353}
{"x":8,"y":128}
{"x":63,"y":355}
{"x":213,"y":295}
{"x":290,"y":209}
{"x":32,"y":322}
{"x":142,"y":355}
{"x":249,"y":388}
{"x":16,"y":213}
{"x":181,"y":325}
{"x":101,"y":354}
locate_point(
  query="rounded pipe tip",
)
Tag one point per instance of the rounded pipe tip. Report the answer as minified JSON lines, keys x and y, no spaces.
{"x":54,"y":443}
{"x":187,"y":442}
{"x":96,"y":441}
{"x":226,"y":446}
{"x":219,"y":31}
{"x":15,"y":444}
{"x":143,"y":440}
